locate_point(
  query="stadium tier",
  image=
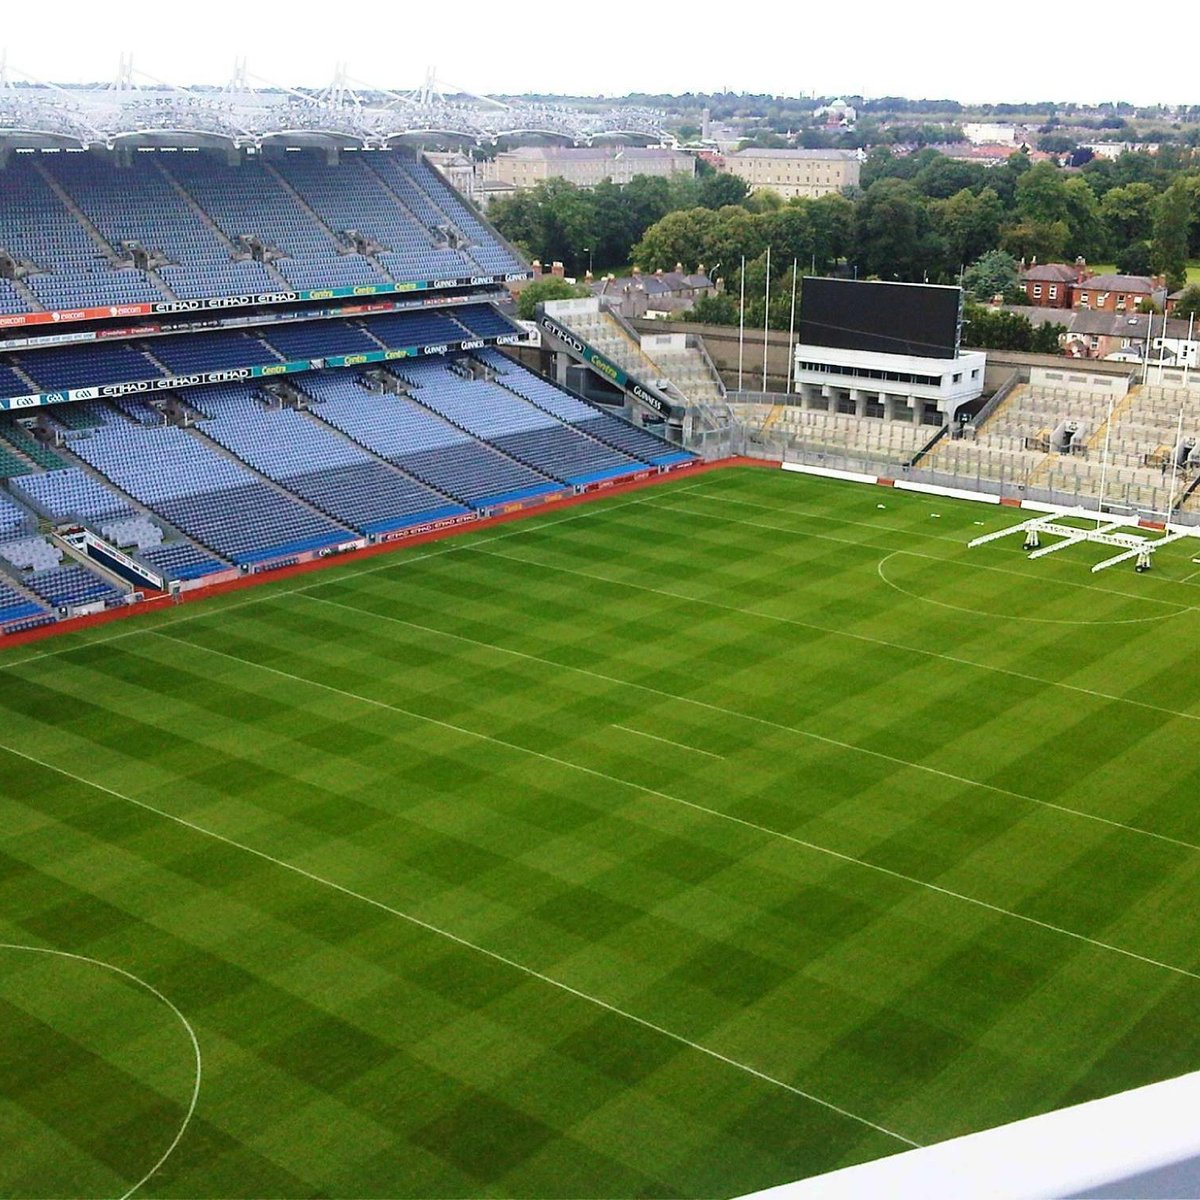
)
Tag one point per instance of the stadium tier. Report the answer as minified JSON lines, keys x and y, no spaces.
{"x":222,"y":477}
{"x":64,"y":368}
{"x":81,"y":230}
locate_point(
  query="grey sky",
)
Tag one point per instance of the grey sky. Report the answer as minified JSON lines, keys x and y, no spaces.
{"x":1011,"y":53}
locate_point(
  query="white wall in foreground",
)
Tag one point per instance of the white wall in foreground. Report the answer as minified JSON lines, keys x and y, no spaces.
{"x":1140,"y":1143}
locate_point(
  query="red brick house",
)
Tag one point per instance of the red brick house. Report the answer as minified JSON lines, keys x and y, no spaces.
{"x":1052,"y":285}
{"x":1119,"y":293}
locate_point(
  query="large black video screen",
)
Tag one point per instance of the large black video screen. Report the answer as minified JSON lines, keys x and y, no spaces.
{"x":885,"y":318}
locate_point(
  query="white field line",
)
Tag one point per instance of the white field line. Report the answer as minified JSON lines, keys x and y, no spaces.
{"x":732,"y":712}
{"x":494,"y":955}
{"x":269,"y":593}
{"x":825,"y":537}
{"x":780,"y":511}
{"x":844,"y":633}
{"x":991,"y":616}
{"x":665,"y":741}
{"x":135,"y":979}
{"x":691,"y":804}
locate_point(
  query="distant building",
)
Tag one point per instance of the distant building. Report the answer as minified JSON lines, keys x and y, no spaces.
{"x":1116,"y":149}
{"x":982,"y":133}
{"x":1072,"y":285}
{"x":838,"y":113}
{"x":794,"y":173}
{"x":1125,"y":336}
{"x":1119,"y":293}
{"x":458,"y":169}
{"x":1052,"y":285}
{"x":663,"y":293}
{"x":584,"y":166}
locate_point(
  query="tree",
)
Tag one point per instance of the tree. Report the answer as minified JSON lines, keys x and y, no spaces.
{"x":969,"y":225}
{"x":549,"y":288}
{"x":1045,"y":241}
{"x":688,"y":237}
{"x":719,"y":309}
{"x":1126,"y":213}
{"x":720,"y":188}
{"x":992,"y":274}
{"x":991,"y":329}
{"x":1172,"y":224}
{"x":1188,"y":304}
{"x":1088,"y":237}
{"x":894,"y":235}
{"x":1134,"y":259}
{"x":1041,"y":196}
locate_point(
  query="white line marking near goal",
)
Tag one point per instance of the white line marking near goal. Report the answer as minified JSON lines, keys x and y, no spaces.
{"x":666,"y":741}
{"x":495,"y":955}
{"x":733,"y":712}
{"x":993,"y":616}
{"x":135,"y":979}
{"x":845,"y":633}
{"x":978,"y":566}
{"x":701,"y":808}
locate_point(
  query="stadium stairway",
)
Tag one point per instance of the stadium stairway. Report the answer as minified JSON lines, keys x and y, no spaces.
{"x":186,"y":197}
{"x":85,"y":222}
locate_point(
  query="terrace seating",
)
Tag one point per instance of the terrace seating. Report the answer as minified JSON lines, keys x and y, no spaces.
{"x":604,"y":427}
{"x":422,"y":444}
{"x":514,"y":426}
{"x":13,"y":518}
{"x":66,"y":587}
{"x":212,"y":499}
{"x":190,"y":352}
{"x":16,"y":606}
{"x":69,"y":493}
{"x":32,"y":553}
{"x":181,"y":560}
{"x":192,"y":225}
{"x":65,"y":367}
{"x":329,"y":471}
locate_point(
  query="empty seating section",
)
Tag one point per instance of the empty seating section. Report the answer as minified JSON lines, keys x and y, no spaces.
{"x":15,"y":606}
{"x":396,"y":167}
{"x":247,"y":200}
{"x":13,"y":518}
{"x":349,"y":197}
{"x":11,"y":384}
{"x":423,"y":444}
{"x":180,"y":560}
{"x":328,"y":470}
{"x":76,"y":224}
{"x":482,"y":320}
{"x":198,"y":261}
{"x":14,"y":434}
{"x":212,"y":499}
{"x":86,"y":366}
{"x":313,"y":339}
{"x":32,"y":553}
{"x":63,"y":266}
{"x":514,"y":426}
{"x":70,"y":493}
{"x":11,"y":300}
{"x":65,"y":587}
{"x":210,"y":351}
{"x":399,"y":331}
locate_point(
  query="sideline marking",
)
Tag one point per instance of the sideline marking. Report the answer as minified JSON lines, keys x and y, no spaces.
{"x":129,"y":975}
{"x":461,"y":941}
{"x":733,"y":712}
{"x":666,"y":741}
{"x":712,"y":812}
{"x":268,"y":593}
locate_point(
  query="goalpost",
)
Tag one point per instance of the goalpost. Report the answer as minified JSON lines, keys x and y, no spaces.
{"x":1116,"y":532}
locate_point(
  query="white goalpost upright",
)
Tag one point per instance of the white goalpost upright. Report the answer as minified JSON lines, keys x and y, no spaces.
{"x":1112,"y":531}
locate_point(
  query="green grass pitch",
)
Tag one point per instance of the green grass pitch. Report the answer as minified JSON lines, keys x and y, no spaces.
{"x":678,"y":844}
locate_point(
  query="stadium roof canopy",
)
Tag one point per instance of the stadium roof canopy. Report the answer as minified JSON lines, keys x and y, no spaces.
{"x":46,"y":116}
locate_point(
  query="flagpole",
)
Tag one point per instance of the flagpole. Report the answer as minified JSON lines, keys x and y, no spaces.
{"x":792,"y":328}
{"x":766,"y":318}
{"x":1162,"y":348}
{"x":1187,"y":354}
{"x":742,"y":324}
